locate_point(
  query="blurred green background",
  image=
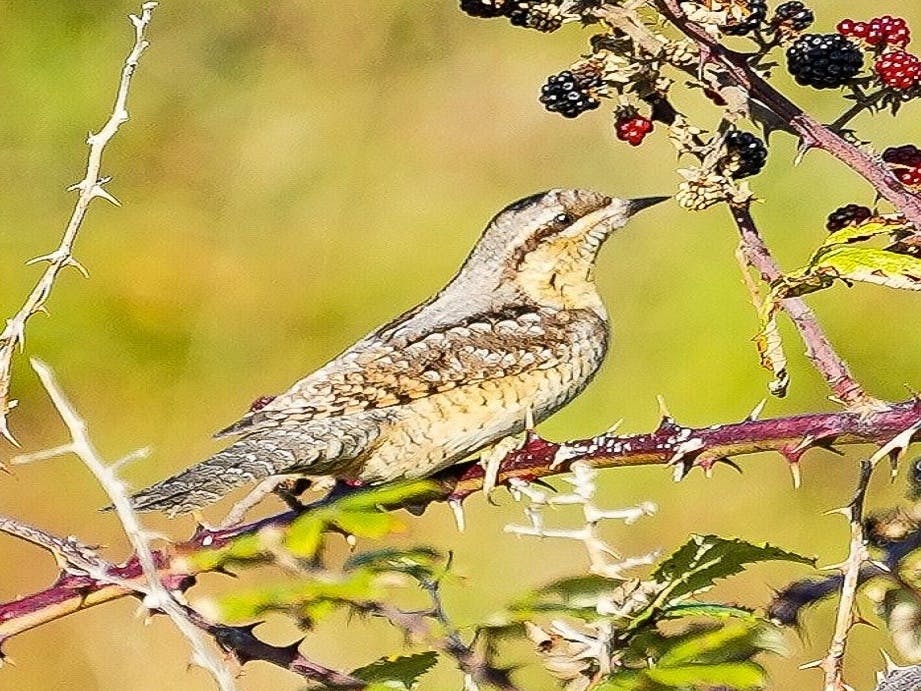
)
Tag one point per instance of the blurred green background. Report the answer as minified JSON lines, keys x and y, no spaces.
{"x":294,"y":174}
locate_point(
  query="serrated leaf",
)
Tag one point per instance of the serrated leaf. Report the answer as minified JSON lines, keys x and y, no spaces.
{"x":707,"y":558}
{"x":404,"y":670}
{"x":738,"y":676}
{"x":770,"y":348}
{"x":244,"y":548}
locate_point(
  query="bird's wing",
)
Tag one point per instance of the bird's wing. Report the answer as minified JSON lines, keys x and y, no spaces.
{"x":399,"y":370}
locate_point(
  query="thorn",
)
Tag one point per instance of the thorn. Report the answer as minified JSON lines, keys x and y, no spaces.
{"x":757,"y":410}
{"x":70,"y":261}
{"x":663,"y":408}
{"x":811,"y":665}
{"x":104,"y":194}
{"x":5,"y":430}
{"x":843,"y":510}
{"x":529,"y":419}
{"x":680,"y":471}
{"x":51,"y":257}
{"x":613,"y":428}
{"x":796,"y":475}
{"x":708,"y":471}
{"x":457,"y":509}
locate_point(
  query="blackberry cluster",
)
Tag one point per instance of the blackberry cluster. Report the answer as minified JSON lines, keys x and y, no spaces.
{"x":879,"y":31}
{"x":486,"y":9}
{"x":570,"y":94}
{"x":757,"y":12}
{"x":824,"y":61}
{"x":745,"y":155}
{"x":850,"y":215}
{"x":543,"y":15}
{"x":793,"y":16}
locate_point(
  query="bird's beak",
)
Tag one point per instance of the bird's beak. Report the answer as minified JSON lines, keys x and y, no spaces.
{"x":637,"y":205}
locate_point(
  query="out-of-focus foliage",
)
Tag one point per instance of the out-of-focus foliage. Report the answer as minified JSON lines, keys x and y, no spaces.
{"x":296,"y":173}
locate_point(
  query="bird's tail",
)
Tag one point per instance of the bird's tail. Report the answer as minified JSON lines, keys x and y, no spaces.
{"x":202,"y":484}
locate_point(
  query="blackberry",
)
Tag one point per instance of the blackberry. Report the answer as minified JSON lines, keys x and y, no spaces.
{"x":486,"y":9}
{"x":905,"y":155}
{"x":793,"y":16}
{"x":757,"y":12}
{"x":850,"y":215}
{"x":824,"y":61}
{"x":745,"y":154}
{"x":543,"y":15}
{"x":570,"y":94}
{"x":632,"y":128}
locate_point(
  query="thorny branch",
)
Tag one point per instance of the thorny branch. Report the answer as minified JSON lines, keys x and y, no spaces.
{"x":819,"y":350}
{"x":90,"y":187}
{"x":833,"y":663}
{"x":678,"y":446}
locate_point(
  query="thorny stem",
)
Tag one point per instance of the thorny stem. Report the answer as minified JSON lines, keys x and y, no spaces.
{"x":818,"y":348}
{"x":833,"y":663}
{"x":90,"y":187}
{"x":680,"y":446}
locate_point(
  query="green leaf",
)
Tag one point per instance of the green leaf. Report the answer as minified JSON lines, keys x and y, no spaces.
{"x":388,"y":495}
{"x":869,"y":265}
{"x":418,"y":562}
{"x":371,"y":523}
{"x":862,"y":232}
{"x":244,"y":548}
{"x":707,"y":558}
{"x":731,"y":675}
{"x":734,"y":642}
{"x":304,"y":536}
{"x":628,"y":680}
{"x":707,"y":609}
{"x":404,"y":670}
{"x":312,"y":599}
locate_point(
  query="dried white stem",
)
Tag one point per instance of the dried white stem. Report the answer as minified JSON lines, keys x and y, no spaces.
{"x":89,"y":187}
{"x":603,"y":560}
{"x":156,"y":596}
{"x":833,"y":663}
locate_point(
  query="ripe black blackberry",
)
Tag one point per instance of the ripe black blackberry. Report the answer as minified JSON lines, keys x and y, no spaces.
{"x":745,"y":154}
{"x":793,"y":15}
{"x":757,"y":12}
{"x":824,"y":61}
{"x":850,"y":215}
{"x":570,"y":94}
{"x":484,"y":8}
{"x":543,"y":15}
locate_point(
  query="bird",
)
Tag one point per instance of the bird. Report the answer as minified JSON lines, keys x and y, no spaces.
{"x":516,"y":334}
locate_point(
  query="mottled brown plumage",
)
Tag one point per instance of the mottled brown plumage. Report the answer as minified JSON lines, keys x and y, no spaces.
{"x":519,"y":330}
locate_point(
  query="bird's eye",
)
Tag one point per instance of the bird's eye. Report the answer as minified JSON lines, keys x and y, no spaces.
{"x":563,"y":219}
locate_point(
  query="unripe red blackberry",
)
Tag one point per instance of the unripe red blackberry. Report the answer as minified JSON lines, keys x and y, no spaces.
{"x":484,"y":8}
{"x":745,"y":154}
{"x":898,"y":69}
{"x":824,"y":61}
{"x":757,"y":12}
{"x":879,"y":31}
{"x":570,"y":94}
{"x":632,"y":128}
{"x":850,"y":215}
{"x":793,"y":16}
{"x":910,"y":177}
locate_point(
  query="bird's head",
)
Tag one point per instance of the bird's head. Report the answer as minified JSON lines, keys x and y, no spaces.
{"x":544,"y":246}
